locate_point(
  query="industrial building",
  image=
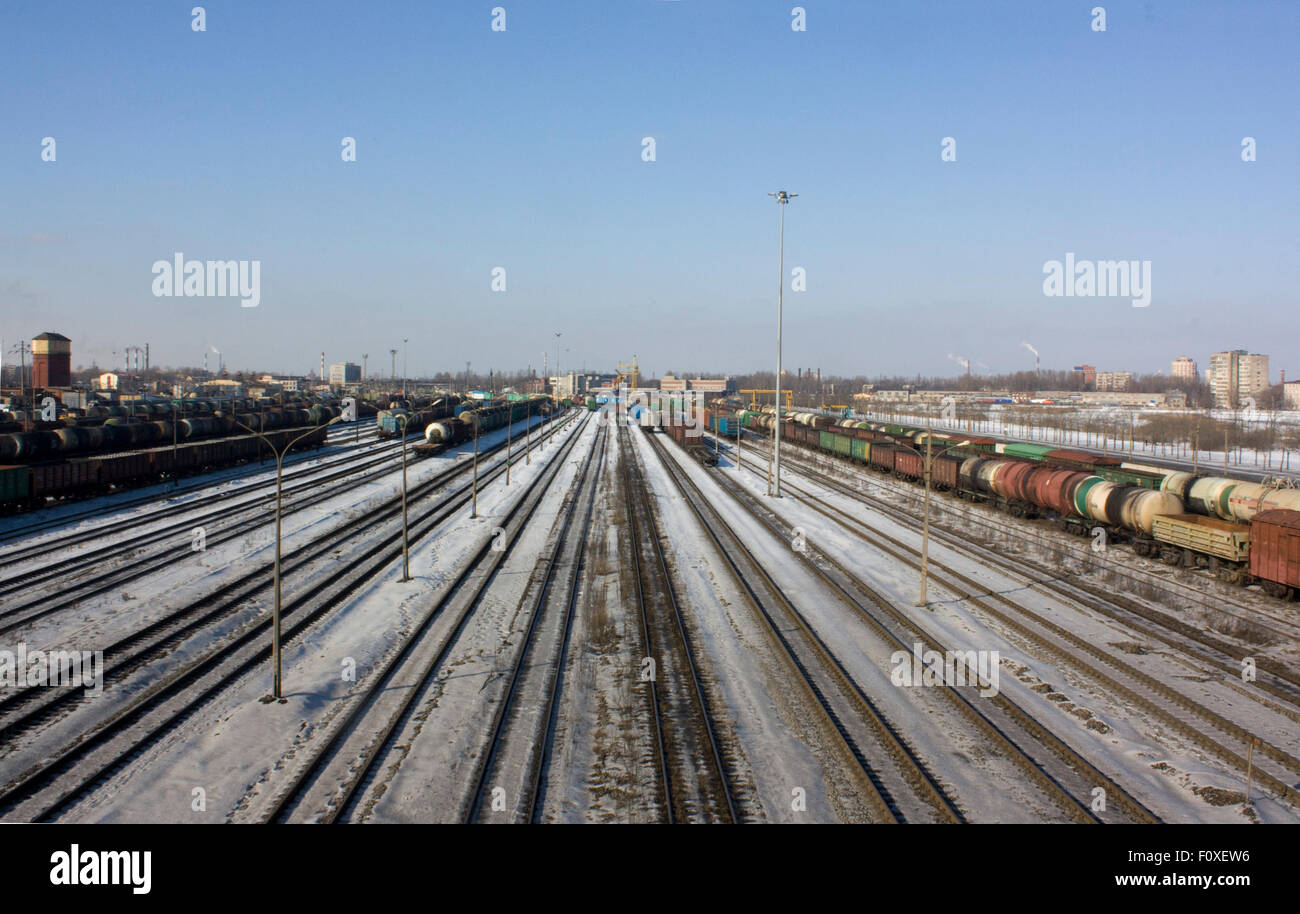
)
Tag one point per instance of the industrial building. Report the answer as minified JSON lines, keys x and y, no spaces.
{"x":707,"y":385}
{"x":1088,"y":374}
{"x":345,"y":373}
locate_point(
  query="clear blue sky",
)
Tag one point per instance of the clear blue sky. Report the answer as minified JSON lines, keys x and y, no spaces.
{"x":522,"y":149}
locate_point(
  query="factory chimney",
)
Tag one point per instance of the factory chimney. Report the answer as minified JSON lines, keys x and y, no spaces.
{"x":146,"y":356}
{"x":322,"y":366}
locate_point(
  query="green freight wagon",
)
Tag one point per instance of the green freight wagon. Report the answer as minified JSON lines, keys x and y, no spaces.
{"x":841,"y":444}
{"x":858,"y":449}
{"x":826,"y":441}
{"x":1124,"y":477}
{"x":1027,"y":451}
{"x":14,"y":484}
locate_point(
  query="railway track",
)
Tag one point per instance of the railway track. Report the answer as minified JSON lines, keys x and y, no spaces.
{"x":909,"y":791}
{"x":1278,"y":680}
{"x":331,"y":786}
{"x":518,"y":751}
{"x":1053,"y":640}
{"x":54,"y":784}
{"x":696,"y":782}
{"x":173,"y":540}
{"x":1059,"y":771}
{"x":166,"y":489}
{"x":233,"y":515}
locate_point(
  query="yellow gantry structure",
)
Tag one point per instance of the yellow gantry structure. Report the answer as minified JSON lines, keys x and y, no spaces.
{"x":753,"y":397}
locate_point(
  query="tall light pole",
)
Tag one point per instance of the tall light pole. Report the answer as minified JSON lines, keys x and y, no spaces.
{"x":276,"y":691}
{"x":782,"y":198}
{"x":404,"y":339}
{"x":558,"y":334}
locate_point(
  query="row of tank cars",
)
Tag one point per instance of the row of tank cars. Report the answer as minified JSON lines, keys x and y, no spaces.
{"x":106,"y":448}
{"x":485,"y":417}
{"x":449,"y":419}
{"x":1243,"y":532}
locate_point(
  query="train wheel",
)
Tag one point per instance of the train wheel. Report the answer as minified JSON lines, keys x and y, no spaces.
{"x":1142,"y":547}
{"x":1274,"y":589}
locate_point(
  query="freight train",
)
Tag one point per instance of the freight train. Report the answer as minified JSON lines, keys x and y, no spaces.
{"x":75,"y":436}
{"x":416,"y":419}
{"x":485,"y":418}
{"x":1241,"y":531}
{"x":32,"y":486}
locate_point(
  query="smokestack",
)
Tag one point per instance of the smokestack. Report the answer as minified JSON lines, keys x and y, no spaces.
{"x":146,"y":356}
{"x":322,"y":366}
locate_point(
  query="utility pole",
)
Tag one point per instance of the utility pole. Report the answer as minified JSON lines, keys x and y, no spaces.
{"x":404,"y":340}
{"x":276,"y":691}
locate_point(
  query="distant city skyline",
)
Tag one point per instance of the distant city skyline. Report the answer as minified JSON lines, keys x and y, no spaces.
{"x":524,"y":152}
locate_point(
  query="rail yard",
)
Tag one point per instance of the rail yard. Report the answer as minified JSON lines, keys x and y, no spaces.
{"x":538,"y":609}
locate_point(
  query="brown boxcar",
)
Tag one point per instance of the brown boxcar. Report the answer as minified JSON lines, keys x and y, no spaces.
{"x":943,"y":472}
{"x":908,"y":464}
{"x":57,"y":478}
{"x":882,"y":455}
{"x":1275,"y":551}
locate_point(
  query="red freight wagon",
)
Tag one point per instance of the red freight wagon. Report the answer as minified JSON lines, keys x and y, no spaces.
{"x":882,"y":455}
{"x":1275,"y":551}
{"x":908,"y":464}
{"x":943,"y":472}
{"x":124,"y":468}
{"x":58,"y":478}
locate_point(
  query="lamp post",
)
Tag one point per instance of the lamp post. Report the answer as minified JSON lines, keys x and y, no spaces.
{"x":406,"y":550}
{"x":276,"y":692}
{"x":782,"y":199}
{"x":404,"y":341}
{"x":558,"y":334}
{"x":928,"y":458}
